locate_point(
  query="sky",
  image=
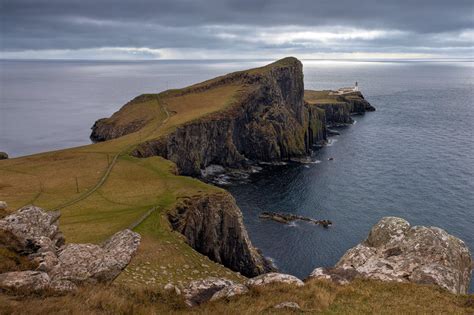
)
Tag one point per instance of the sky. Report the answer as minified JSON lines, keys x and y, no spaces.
{"x":236,"y":29}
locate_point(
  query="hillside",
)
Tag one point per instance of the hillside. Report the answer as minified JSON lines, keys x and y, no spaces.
{"x":132,"y":177}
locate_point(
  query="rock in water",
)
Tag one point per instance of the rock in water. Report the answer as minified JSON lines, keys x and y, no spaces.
{"x":395,"y":251}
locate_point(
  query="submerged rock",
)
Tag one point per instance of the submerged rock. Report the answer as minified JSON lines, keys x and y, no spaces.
{"x":395,"y":251}
{"x":24,"y":282}
{"x":288,"y":217}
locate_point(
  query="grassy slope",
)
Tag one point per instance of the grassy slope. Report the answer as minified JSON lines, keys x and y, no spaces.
{"x":321,"y":97}
{"x":133,"y":187}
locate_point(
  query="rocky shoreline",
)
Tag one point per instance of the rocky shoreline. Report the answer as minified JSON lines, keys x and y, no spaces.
{"x":275,"y":121}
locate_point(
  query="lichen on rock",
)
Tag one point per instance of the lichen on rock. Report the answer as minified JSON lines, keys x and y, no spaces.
{"x":395,"y":251}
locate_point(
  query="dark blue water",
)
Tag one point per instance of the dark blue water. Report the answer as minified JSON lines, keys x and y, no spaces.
{"x":413,"y":157}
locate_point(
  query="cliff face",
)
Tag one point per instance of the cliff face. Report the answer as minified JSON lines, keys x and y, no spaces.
{"x":213,"y":226}
{"x":338,"y":108}
{"x":269,"y":122}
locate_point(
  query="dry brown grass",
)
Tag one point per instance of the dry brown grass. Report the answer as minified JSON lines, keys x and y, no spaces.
{"x":316,"y":297}
{"x":321,"y":97}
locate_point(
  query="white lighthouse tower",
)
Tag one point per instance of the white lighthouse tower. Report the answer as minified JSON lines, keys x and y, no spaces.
{"x":356,"y":87}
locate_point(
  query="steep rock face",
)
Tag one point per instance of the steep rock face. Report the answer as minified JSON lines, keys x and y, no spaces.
{"x":395,"y":251}
{"x":269,"y":122}
{"x":213,"y":226}
{"x":338,"y":108}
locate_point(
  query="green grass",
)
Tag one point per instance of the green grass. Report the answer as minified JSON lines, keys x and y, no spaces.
{"x":133,"y":187}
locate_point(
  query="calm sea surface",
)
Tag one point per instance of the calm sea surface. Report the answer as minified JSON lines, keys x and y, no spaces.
{"x":413,"y":157}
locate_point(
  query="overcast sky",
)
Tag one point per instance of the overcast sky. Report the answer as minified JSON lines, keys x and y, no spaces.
{"x":220,"y":29}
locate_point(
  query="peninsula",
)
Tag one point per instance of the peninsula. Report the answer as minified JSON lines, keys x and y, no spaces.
{"x":143,"y":174}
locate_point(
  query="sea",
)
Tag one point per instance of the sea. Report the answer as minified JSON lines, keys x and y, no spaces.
{"x":412,"y":158}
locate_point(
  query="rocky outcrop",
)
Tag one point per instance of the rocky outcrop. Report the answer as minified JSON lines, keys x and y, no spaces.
{"x":273,"y":278}
{"x":200,"y":291}
{"x":34,"y":233}
{"x":3,"y":156}
{"x":396,"y":251}
{"x":212,"y":289}
{"x":213,"y":225}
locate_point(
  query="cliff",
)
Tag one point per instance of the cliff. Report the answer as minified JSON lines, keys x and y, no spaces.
{"x":338,"y":108}
{"x":269,"y":121}
{"x":213,"y":225}
{"x":257,"y":115}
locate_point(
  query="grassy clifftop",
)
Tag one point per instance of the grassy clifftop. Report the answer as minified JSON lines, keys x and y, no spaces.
{"x":100,"y":189}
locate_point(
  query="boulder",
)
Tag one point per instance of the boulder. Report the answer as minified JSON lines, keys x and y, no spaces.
{"x":200,"y":291}
{"x":395,"y":251}
{"x":24,"y":282}
{"x":33,"y":232}
{"x":3,"y":205}
{"x":229,"y":291}
{"x":27,"y":230}
{"x":288,"y":305}
{"x":80,"y":263}
{"x":274,"y":277}
{"x":3,"y":156}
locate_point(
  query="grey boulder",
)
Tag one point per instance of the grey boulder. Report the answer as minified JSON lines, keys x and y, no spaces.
{"x":395,"y":251}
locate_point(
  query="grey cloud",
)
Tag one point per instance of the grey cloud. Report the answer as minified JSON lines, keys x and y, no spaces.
{"x":199,"y":24}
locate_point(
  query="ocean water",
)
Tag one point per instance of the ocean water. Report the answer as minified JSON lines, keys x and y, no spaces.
{"x":413,"y":157}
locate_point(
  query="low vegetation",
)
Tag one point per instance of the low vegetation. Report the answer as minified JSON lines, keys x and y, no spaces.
{"x":101,"y":189}
{"x":359,"y":297}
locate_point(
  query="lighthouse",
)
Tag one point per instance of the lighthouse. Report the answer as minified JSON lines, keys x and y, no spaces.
{"x":356,"y":87}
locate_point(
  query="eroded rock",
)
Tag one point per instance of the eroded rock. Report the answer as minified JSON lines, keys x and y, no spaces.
{"x":395,"y":251}
{"x":80,"y":263}
{"x":28,"y":230}
{"x":230,"y":291}
{"x":24,"y":282}
{"x":200,"y":291}
{"x":274,"y":277}
{"x":33,"y":232}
